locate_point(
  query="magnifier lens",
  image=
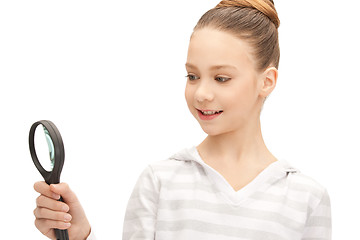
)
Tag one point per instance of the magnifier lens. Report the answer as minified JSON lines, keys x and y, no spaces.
{"x":44,"y":148}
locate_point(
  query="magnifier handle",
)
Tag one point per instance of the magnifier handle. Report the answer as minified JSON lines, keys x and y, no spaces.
{"x":61,"y":234}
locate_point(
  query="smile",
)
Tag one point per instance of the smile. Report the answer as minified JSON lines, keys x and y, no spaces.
{"x":208,"y":114}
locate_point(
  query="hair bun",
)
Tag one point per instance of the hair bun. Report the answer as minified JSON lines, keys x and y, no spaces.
{"x":265,"y":6}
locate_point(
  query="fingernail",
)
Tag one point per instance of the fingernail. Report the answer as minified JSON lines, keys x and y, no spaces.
{"x":55,"y":196}
{"x":67,"y":217}
{"x":67,"y":224}
{"x":65,"y":208}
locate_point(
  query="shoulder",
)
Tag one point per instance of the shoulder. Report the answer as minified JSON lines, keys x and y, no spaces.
{"x":182,"y":166}
{"x":184,"y":158}
{"x":304,"y":183}
{"x":304,"y":188}
{"x":300,"y":182}
{"x":172,"y":168}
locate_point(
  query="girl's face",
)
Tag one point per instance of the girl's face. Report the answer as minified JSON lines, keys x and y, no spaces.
{"x":223,"y":89}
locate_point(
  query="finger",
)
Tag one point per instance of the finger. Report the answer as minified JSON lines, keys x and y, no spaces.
{"x":45,"y":226}
{"x":44,"y":213}
{"x":44,"y":189}
{"x":49,"y":203}
{"x":42,"y":226}
{"x":64,"y":190}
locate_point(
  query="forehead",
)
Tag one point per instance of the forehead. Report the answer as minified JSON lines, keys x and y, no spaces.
{"x":214,"y":47}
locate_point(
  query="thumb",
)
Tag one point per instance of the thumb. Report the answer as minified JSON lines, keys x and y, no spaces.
{"x":64,"y":191}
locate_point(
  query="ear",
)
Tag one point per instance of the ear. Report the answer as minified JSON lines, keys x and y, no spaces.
{"x":268,"y":83}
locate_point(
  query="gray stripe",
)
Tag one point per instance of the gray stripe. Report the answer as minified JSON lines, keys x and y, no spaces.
{"x":301,"y":207}
{"x":230,"y":210}
{"x":306,"y":188}
{"x":190,"y":186}
{"x":139,"y":214}
{"x":319,"y":221}
{"x":140,"y":192}
{"x":143,"y":234}
{"x":316,"y":238}
{"x":221,"y":230}
{"x":182,"y":167}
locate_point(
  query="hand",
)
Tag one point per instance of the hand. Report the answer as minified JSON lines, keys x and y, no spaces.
{"x":51,"y":213}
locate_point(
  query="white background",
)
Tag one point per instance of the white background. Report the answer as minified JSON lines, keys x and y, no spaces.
{"x":110,"y":75}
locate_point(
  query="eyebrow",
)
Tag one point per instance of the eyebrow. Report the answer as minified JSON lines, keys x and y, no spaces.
{"x":215,"y":67}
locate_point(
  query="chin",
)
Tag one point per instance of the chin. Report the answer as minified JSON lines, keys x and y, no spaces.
{"x":212,"y":131}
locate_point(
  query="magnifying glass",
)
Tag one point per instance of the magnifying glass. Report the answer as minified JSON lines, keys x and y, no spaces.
{"x":48,"y":156}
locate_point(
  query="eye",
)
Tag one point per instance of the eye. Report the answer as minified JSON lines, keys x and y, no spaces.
{"x":222,"y":79}
{"x":191,"y":77}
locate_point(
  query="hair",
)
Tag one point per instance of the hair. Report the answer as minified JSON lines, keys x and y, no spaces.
{"x":255,"y":21}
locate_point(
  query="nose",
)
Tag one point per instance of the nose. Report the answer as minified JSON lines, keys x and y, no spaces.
{"x":204,"y":92}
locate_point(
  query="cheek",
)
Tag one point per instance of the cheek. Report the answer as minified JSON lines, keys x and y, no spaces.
{"x":238,"y":97}
{"x":188,"y":95}
{"x":190,"y":99}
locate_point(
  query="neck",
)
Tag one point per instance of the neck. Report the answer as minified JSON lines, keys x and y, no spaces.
{"x":243,"y":146}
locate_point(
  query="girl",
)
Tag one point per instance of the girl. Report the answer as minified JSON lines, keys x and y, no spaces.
{"x":230,"y":186}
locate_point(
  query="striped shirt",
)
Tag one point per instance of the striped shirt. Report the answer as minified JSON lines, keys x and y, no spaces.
{"x":184,"y":198}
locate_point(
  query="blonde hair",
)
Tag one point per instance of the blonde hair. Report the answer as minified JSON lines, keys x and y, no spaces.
{"x":255,"y":21}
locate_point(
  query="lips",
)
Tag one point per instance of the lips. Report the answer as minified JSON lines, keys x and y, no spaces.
{"x":208,"y":114}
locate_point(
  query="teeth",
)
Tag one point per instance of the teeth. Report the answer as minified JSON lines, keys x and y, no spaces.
{"x":210,"y":112}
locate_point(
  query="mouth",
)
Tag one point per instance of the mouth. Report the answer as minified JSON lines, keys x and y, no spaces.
{"x":208,"y":114}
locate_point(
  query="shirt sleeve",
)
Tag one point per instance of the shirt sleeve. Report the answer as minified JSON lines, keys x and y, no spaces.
{"x":141,"y":212}
{"x":318,"y":225}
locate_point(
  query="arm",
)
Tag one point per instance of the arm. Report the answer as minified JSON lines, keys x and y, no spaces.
{"x":318,"y":225}
{"x":141,"y":212}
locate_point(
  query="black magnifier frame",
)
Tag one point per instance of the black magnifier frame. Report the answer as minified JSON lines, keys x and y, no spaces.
{"x":53,"y":176}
